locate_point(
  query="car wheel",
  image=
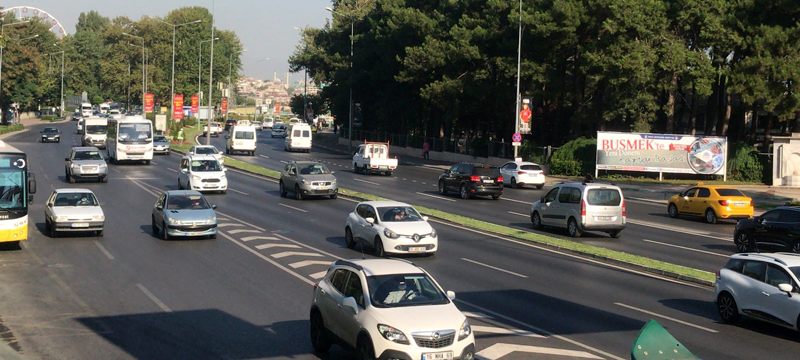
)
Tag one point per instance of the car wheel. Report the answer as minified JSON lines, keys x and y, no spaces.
{"x":365,"y":169}
{"x":320,"y":338}
{"x":147,"y":162}
{"x":153,"y":226}
{"x":539,"y":187}
{"x":728,"y":311}
{"x":464,"y":193}
{"x":495,"y":197}
{"x":212,"y":236}
{"x":711,"y":216}
{"x":281,"y":189}
{"x":742,"y":241}
{"x":298,"y":194}
{"x":355,"y":168}
{"x":672,"y":210}
{"x":378,"y":248}
{"x":796,"y":247}
{"x":164,"y":233}
{"x":442,"y":189}
{"x":513,"y":183}
{"x":50,"y":228}
{"x":536,"y":220}
{"x":572,"y":228}
{"x":99,"y":233}
{"x":364,"y":349}
{"x":180,"y":184}
{"x":333,"y":196}
{"x":615,"y":234}
{"x":104,"y":179}
{"x":348,"y":238}
{"x":388,"y":173}
{"x":71,"y":179}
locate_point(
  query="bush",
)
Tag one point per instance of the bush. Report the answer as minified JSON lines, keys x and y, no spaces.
{"x":575,"y":158}
{"x":48,"y":117}
{"x":744,"y":164}
{"x":4,"y":129}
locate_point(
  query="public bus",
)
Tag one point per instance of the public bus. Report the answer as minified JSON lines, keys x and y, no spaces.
{"x":16,"y":188}
{"x":130,"y":139}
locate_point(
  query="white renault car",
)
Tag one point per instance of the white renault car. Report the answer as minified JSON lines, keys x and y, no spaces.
{"x":519,"y":174}
{"x":208,"y":150}
{"x":388,"y":309}
{"x":202,"y":173}
{"x":390,"y":227}
{"x":73,"y":210}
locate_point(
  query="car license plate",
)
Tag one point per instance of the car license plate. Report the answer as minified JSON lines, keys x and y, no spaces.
{"x":80,"y":225}
{"x":444,"y":355}
{"x":416,"y":249}
{"x":488,"y":181}
{"x":603,"y":218}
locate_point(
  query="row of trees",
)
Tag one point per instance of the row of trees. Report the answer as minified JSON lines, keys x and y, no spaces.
{"x":103,"y":61}
{"x":448,"y":67}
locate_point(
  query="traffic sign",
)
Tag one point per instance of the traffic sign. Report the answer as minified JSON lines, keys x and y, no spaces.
{"x":517,"y":137}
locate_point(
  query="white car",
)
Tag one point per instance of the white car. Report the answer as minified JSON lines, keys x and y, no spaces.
{"x":208,"y":150}
{"x":215,"y":129}
{"x":73,"y":210}
{"x":267,"y":123}
{"x":519,"y":174}
{"x":388,"y":309}
{"x":115,"y":114}
{"x":79,"y":126}
{"x":202,"y":173}
{"x":760,"y":286}
{"x":390,"y":227}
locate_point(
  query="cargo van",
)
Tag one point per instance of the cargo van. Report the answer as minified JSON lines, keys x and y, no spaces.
{"x":86,"y":110}
{"x":582,"y":206}
{"x":241,"y":139}
{"x":298,"y":138}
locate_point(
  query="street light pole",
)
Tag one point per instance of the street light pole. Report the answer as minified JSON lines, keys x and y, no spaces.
{"x":210,"y":77}
{"x":144,"y":84}
{"x":199,"y":69}
{"x":519,"y":61}
{"x":172,"y":82}
{"x":61,"y":111}
{"x":350,"y":102}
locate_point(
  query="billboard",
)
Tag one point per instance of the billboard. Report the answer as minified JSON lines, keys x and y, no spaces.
{"x":177,"y":106}
{"x":224,"y":105}
{"x":149,"y":102}
{"x":195,"y":104}
{"x":662,"y":153}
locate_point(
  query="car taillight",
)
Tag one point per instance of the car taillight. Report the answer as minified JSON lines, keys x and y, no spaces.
{"x":583,"y":207}
{"x":751,"y":203}
{"x":723,"y":202}
{"x":624,"y":209}
{"x":499,"y":179}
{"x":521,"y":172}
{"x":474,"y":178}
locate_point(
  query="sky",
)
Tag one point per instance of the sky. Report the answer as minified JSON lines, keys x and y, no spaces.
{"x":266,"y":28}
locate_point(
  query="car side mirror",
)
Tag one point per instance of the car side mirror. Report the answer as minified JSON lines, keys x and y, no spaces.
{"x":31,"y":184}
{"x":451,"y":295}
{"x":333,"y":172}
{"x":184,"y":170}
{"x":425,"y":218}
{"x":787,"y":288}
{"x":213,"y":206}
{"x":370,"y":220}
{"x":49,"y":204}
{"x":66,"y":159}
{"x":159,"y":207}
{"x":350,"y":302}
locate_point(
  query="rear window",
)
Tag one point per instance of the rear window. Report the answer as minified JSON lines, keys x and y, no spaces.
{"x":530,"y":167}
{"x":486,"y":171}
{"x":604,"y":197}
{"x":729,"y":192}
{"x":247,"y":135}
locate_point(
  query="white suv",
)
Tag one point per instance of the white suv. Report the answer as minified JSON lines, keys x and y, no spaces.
{"x":761,"y":286}
{"x":390,"y":227}
{"x":388,"y":309}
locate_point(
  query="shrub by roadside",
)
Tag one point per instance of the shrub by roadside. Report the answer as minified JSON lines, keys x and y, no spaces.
{"x":4,"y":129}
{"x":575,"y":158}
{"x":744,"y":164}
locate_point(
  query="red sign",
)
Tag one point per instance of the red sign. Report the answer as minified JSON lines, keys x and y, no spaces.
{"x":277,"y":108}
{"x":149,"y":102}
{"x":525,"y":114}
{"x":177,"y":107}
{"x":224,"y":105}
{"x":195,"y":104}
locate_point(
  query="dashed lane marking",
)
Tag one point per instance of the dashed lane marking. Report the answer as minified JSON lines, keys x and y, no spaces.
{"x":677,"y":229}
{"x":494,"y":268}
{"x":504,"y":331}
{"x":318,"y":275}
{"x":284,"y":254}
{"x":239,"y":231}
{"x":173,"y":170}
{"x":518,"y":214}
{"x":292,"y":207}
{"x":267,"y":259}
{"x":284,"y":161}
{"x":104,"y":250}
{"x":304,"y":263}
{"x":516,"y":201}
{"x":666,"y":317}
{"x":239,"y":192}
{"x":251,"y":238}
{"x":222,"y":225}
{"x":686,"y":248}
{"x":366,"y":181}
{"x":263,"y":156}
{"x":436,"y":197}
{"x":500,"y":350}
{"x":153,"y":298}
{"x":270,"y":246}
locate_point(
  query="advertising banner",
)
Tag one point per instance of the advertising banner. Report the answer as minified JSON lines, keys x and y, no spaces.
{"x":195,"y":104}
{"x":224,"y":105}
{"x":667,"y":153}
{"x":177,"y":106}
{"x":525,"y":115}
{"x":149,"y":102}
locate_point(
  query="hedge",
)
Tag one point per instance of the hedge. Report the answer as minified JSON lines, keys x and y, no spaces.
{"x":744,"y":164}
{"x":575,"y":158}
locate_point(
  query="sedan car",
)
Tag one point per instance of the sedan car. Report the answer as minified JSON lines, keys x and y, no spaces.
{"x":711,"y":202}
{"x":390,"y":227}
{"x":85,"y":162}
{"x":778,"y":228}
{"x":76,"y":115}
{"x":50,"y":134}
{"x":73,"y":210}
{"x":519,"y":174}
{"x":267,"y":124}
{"x":183,"y":213}
{"x":307,"y":178}
{"x":278,"y":130}
{"x":160,"y":144}
{"x":207,"y":150}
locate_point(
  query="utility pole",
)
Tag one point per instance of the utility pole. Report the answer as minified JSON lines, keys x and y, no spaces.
{"x":519,"y":61}
{"x":210,"y":78}
{"x":172,"y":82}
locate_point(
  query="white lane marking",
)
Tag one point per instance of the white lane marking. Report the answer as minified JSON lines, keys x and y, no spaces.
{"x":646,"y":201}
{"x":307,"y":246}
{"x":515,"y":200}
{"x":284,"y":161}
{"x":238,"y":191}
{"x":413,"y":181}
{"x":687,"y":248}
{"x":424,"y":183}
{"x":239,"y":231}
{"x":284,"y":254}
{"x":153,"y":162}
{"x":243,"y":222}
{"x":270,"y":246}
{"x":173,"y":170}
{"x":318,"y":275}
{"x":499,"y":350}
{"x":292,"y":207}
{"x":666,"y":317}
{"x":228,"y":224}
{"x":154,"y":298}
{"x":404,"y":179}
{"x":504,"y":331}
{"x":263,"y":156}
{"x":677,"y":229}
{"x":251,"y":238}
{"x":304,"y":263}
{"x":132,"y":178}
{"x":516,"y":213}
{"x":540,"y":330}
{"x":267,"y":259}
{"x":436,"y":197}
{"x":368,"y":182}
{"x":104,"y":250}
{"x":494,"y":268}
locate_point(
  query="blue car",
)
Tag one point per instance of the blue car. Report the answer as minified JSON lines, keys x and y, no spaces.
{"x":184,"y":213}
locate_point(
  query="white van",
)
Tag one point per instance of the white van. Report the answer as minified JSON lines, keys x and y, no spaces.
{"x":241,"y":139}
{"x":298,"y":137}
{"x":86,"y":110}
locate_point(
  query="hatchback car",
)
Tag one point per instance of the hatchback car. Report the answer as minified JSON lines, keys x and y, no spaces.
{"x":778,"y":228}
{"x":519,"y":174}
{"x":50,"y":134}
{"x":712,"y":203}
{"x":73,"y":210}
{"x":202,"y":173}
{"x":388,"y":309}
{"x":278,"y":130}
{"x":85,"y":162}
{"x":207,"y":150}
{"x":580,"y":207}
{"x":183,"y":213}
{"x":760,"y":286}
{"x":390,"y":227}
{"x":470,"y":179}
{"x":160,"y":144}
{"x":307,"y":178}
{"x":267,"y":124}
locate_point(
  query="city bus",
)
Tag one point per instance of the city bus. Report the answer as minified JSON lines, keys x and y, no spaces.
{"x":130,"y":139}
{"x":16,"y":189}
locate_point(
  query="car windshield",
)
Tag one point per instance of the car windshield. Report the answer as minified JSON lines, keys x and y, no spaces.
{"x":398,"y":290}
{"x":206,"y":150}
{"x":87,"y":155}
{"x":134,"y":132}
{"x":486,"y":171}
{"x":50,"y":131}
{"x":246,"y":135}
{"x":399,"y":214}
{"x":11,"y":189}
{"x":603,"y":197}
{"x":729,"y":192}
{"x":160,"y":138}
{"x":205,"y":165}
{"x":796,"y":271}
{"x":313,"y":169}
{"x":187,"y":202}
{"x":96,"y":129}
{"x":75,"y":199}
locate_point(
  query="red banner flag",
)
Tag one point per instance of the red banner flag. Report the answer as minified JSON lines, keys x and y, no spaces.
{"x":195,"y":104}
{"x":177,"y":107}
{"x":224,"y":105}
{"x":149,"y":102}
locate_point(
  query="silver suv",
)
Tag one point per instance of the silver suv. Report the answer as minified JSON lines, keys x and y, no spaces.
{"x":85,"y":162}
{"x":760,"y":286}
{"x":307,"y":178}
{"x":582,"y":206}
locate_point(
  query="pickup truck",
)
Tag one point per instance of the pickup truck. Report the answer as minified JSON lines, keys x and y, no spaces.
{"x":373,"y":157}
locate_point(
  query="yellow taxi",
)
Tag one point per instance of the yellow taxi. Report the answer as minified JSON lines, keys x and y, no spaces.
{"x":712,"y":202}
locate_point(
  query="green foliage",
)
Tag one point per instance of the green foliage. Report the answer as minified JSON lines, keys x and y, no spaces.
{"x":744,"y":164}
{"x":575,"y":158}
{"x":49,"y":118}
{"x":4,"y":129}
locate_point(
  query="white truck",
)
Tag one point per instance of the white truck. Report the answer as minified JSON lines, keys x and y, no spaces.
{"x":86,"y":109}
{"x":373,"y":157}
{"x":94,"y":131}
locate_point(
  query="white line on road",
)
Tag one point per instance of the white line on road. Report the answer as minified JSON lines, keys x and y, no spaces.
{"x":676,"y":229}
{"x":173,"y":170}
{"x":239,"y":231}
{"x":263,"y":156}
{"x":687,"y":248}
{"x":154,"y":298}
{"x":284,"y":254}
{"x":666,"y":317}
{"x":436,"y":197}
{"x":368,"y":182}
{"x":251,"y":238}
{"x":228,"y":224}
{"x":516,"y":201}
{"x":239,"y":192}
{"x":292,"y":207}
{"x":504,"y":331}
{"x":424,"y":183}
{"x":647,"y":201}
{"x":518,"y":214}
{"x":318,"y":275}
{"x":153,"y":162}
{"x":284,"y":161}
{"x":494,"y":268}
{"x":103,"y":250}
{"x":303,"y":263}
{"x":267,"y":259}
{"x":270,"y":246}
{"x":499,"y":350}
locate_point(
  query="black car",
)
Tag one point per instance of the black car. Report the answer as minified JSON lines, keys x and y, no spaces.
{"x":229,"y":123}
{"x":50,"y":134}
{"x":76,"y":115}
{"x":470,"y":179}
{"x":777,"y":228}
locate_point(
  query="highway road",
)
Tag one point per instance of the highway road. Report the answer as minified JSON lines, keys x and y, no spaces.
{"x":650,"y":232}
{"x":247,"y":293}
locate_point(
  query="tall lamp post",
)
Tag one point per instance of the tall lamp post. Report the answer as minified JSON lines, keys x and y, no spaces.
{"x":230,"y":78}
{"x":2,"y":46}
{"x":199,"y":69}
{"x":143,"y":67}
{"x":350,"y":103}
{"x":172,"y":82}
{"x":61,"y":109}
{"x":519,"y":61}
{"x":210,"y":77}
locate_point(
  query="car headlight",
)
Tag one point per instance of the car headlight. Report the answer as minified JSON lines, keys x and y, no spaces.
{"x":102,"y":165}
{"x":196,"y":178}
{"x":433,"y":233}
{"x":390,"y":234}
{"x":223,"y":177}
{"x":74,"y":165}
{"x":464,"y":331}
{"x":172,"y":221}
{"x":392,"y":334}
{"x":98,"y":217}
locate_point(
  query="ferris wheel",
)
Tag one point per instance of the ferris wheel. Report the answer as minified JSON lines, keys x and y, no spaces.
{"x":28,"y":12}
